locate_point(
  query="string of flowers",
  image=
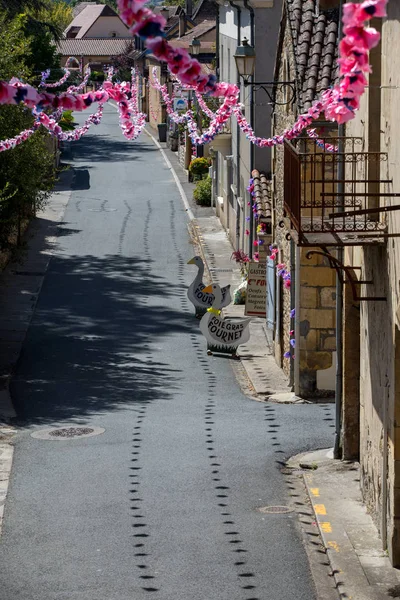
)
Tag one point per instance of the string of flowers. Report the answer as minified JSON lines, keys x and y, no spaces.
{"x":312,"y":133}
{"x":58,"y":83}
{"x":283,"y":272}
{"x":44,"y":76}
{"x":78,"y":88}
{"x":11,"y":143}
{"x":339,"y":103}
{"x":53,"y":127}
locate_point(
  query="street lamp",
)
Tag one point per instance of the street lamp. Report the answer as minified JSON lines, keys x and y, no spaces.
{"x":194,"y":46}
{"x":245,"y":59}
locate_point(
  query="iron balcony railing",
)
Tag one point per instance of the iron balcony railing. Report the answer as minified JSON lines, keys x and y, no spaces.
{"x":326,"y":209}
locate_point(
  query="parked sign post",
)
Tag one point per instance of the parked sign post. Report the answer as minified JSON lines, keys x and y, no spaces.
{"x":256,"y":290}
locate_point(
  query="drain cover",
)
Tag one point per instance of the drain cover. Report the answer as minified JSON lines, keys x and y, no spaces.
{"x":277,"y":510}
{"x":71,"y":431}
{"x":67,"y":433}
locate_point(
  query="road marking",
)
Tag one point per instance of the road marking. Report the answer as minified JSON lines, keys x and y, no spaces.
{"x":175,"y":176}
{"x":326,"y":527}
{"x":171,"y":168}
{"x":315,"y":492}
{"x":334,"y":545}
{"x":320,"y":509}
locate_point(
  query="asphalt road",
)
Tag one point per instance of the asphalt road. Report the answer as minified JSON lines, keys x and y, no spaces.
{"x":164,"y":503}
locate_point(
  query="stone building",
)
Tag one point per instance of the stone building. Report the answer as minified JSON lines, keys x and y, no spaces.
{"x":306,"y":57}
{"x":96,"y":36}
{"x":235,"y":157}
{"x":371,"y":401}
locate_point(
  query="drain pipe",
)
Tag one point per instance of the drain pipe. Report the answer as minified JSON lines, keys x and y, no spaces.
{"x":337,"y":450}
{"x":239,"y":28}
{"x":252,"y":119}
{"x":297,"y":323}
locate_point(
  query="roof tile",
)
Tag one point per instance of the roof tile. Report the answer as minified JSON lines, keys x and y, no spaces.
{"x":93,"y":46}
{"x":315,"y":40}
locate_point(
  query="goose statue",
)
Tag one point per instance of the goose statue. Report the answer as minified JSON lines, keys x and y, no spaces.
{"x":200,"y":300}
{"x":222,"y":335}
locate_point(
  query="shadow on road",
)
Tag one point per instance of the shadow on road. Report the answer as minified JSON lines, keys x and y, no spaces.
{"x":104,"y":148}
{"x":87,"y":350}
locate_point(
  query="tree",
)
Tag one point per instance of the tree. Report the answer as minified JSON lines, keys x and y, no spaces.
{"x":26,"y":172}
{"x":57,"y":13}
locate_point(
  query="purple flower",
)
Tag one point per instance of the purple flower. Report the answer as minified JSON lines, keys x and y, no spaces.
{"x":293,"y":313}
{"x":286,"y":355}
{"x":293,"y":343}
{"x":247,"y":218}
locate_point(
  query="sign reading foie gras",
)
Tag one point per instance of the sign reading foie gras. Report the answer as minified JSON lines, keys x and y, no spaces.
{"x":256,"y":293}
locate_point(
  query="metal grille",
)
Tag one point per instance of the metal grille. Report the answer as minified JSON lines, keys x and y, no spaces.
{"x":326,"y":210}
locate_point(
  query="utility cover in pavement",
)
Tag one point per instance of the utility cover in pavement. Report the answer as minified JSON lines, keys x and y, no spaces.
{"x":278,"y":510}
{"x":67,"y":433}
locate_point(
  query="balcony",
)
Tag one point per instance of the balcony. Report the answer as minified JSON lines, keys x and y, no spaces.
{"x":322,"y":209}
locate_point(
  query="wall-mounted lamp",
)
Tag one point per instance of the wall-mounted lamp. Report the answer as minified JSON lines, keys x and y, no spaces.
{"x":194,"y":46}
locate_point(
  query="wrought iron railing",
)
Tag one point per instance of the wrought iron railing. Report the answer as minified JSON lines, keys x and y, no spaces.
{"x":334,"y":198}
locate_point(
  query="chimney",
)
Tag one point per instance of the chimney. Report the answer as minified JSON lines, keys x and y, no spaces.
{"x":189,"y":8}
{"x":182,"y":24}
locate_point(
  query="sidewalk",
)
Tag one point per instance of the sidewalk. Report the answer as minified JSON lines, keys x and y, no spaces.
{"x":360,"y":568}
{"x":264,"y":378}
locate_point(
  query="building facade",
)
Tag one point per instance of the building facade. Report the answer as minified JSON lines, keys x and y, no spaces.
{"x":306,"y":58}
{"x":235,"y":156}
{"x":371,"y":422}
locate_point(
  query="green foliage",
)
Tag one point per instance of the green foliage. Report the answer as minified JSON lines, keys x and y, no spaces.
{"x":57,"y":13}
{"x":15,"y":47}
{"x":202,"y":192}
{"x":174,"y":3}
{"x":112,"y":3}
{"x":97,"y":76}
{"x":67,"y":121}
{"x":198,"y":167}
{"x":26,"y":174}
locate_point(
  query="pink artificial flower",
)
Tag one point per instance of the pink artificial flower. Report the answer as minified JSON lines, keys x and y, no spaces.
{"x":247,"y":232}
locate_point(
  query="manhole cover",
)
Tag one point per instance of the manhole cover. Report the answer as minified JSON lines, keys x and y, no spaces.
{"x":67,"y":433}
{"x":277,"y":510}
{"x":71,"y":431}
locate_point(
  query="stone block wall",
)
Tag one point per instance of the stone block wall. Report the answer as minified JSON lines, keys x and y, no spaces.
{"x":317,"y":279}
{"x":317,"y":320}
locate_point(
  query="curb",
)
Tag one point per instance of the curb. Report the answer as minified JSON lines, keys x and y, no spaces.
{"x":175,"y":176}
{"x":6,"y":457}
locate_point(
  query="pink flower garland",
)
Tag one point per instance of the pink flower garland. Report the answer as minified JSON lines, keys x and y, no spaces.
{"x":78,"y":88}
{"x":338,"y":104}
{"x":285,"y":274}
{"x":57,"y":83}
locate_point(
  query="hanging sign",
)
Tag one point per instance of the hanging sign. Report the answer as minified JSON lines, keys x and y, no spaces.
{"x":180,"y":105}
{"x":256,"y":290}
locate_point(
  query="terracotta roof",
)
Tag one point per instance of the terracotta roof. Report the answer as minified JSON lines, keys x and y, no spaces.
{"x":89,"y":15}
{"x":315,"y":43}
{"x":199,"y":30}
{"x":262,"y":195}
{"x":93,"y":46}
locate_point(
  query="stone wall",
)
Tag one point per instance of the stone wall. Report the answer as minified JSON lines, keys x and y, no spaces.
{"x":378,"y":123}
{"x":317,"y":279}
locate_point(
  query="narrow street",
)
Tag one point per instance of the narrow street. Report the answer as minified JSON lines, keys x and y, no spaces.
{"x":163,"y":503}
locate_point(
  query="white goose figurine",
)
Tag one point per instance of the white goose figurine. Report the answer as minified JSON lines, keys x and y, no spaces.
{"x":222,"y":335}
{"x":200,"y":300}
